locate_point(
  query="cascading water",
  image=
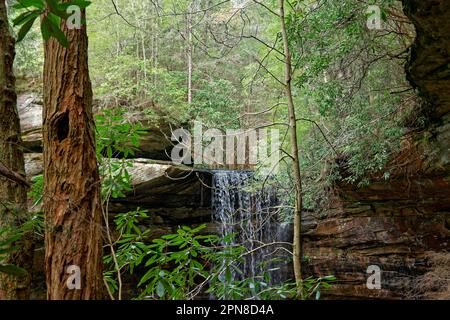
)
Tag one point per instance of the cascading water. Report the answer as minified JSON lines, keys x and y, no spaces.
{"x":251,"y":215}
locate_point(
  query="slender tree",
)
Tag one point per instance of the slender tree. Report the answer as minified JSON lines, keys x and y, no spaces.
{"x":189,"y":50}
{"x":13,"y":187}
{"x":72,"y":203}
{"x":297,"y":242}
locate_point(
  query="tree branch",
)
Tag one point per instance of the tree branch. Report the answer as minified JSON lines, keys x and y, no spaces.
{"x":13,"y":176}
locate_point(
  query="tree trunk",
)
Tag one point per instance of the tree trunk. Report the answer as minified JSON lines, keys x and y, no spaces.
{"x":13,"y":194}
{"x":297,"y":242}
{"x":72,"y":203}
{"x":189,"y":51}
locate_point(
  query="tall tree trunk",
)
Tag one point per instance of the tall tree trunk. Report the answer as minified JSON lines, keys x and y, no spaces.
{"x":297,"y":242}
{"x":189,"y":51}
{"x":156,"y":29}
{"x":13,"y":194}
{"x":72,"y":203}
{"x":143,"y":35}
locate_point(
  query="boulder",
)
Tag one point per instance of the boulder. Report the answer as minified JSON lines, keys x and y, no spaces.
{"x":155,"y":142}
{"x":30,"y":112}
{"x":34,"y":164}
{"x":173,"y":195}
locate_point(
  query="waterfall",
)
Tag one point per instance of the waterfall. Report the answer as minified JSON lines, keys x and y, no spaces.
{"x":249,"y":214}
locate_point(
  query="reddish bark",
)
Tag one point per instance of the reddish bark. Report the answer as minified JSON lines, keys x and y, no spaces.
{"x":72,"y":201}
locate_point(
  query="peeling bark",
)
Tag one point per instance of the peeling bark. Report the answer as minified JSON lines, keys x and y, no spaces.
{"x":72,"y":203}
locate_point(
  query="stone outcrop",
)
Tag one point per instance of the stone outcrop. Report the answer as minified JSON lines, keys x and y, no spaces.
{"x":396,"y":224}
{"x":389,"y":224}
{"x":154,"y":144}
{"x":173,"y":195}
{"x":30,"y":112}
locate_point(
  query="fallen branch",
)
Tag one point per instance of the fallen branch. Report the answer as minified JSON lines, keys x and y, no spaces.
{"x":13,"y":176}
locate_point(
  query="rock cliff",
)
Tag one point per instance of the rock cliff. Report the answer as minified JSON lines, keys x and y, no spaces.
{"x":397,"y":224}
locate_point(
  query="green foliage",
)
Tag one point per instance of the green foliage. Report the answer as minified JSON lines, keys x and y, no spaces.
{"x":37,"y":190}
{"x":50,"y":11}
{"x":184,"y":264}
{"x":175,"y":263}
{"x":29,"y":60}
{"x":10,"y":241}
{"x":116,"y":136}
{"x":215,"y":104}
{"x":13,"y":270}
{"x":131,"y":248}
{"x":345,"y":80}
{"x":8,"y":238}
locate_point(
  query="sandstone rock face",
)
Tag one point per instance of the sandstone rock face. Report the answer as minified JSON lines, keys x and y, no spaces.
{"x":155,"y":143}
{"x":396,"y":224}
{"x":30,"y":113}
{"x":391,"y":224}
{"x":428,"y":69}
{"x":34,"y":164}
{"x":173,"y":195}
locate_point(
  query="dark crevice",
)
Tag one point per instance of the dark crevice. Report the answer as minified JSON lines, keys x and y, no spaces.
{"x":62,"y":127}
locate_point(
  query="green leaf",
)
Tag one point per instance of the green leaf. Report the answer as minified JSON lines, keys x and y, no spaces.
{"x":25,"y":28}
{"x":10,"y":240}
{"x":45,"y":29}
{"x":13,"y":270}
{"x":24,"y":17}
{"x":22,"y":4}
{"x":55,"y":20}
{"x":199,"y":228}
{"x":169,"y":236}
{"x":55,"y":31}
{"x":80,"y":3}
{"x":7,"y":250}
{"x":55,"y":9}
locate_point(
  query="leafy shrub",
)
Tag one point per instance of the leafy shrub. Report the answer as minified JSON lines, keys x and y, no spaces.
{"x":188,"y":263}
